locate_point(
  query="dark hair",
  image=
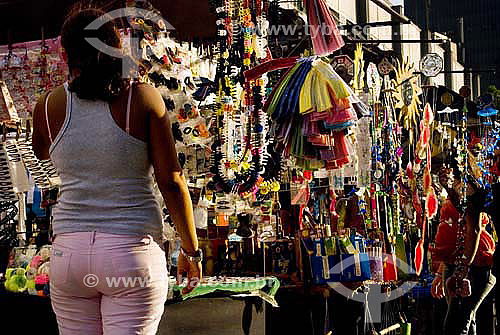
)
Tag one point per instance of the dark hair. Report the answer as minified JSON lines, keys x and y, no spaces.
{"x":100,"y":75}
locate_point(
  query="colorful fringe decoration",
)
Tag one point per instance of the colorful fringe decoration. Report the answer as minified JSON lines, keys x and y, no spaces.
{"x":311,"y":108}
{"x":324,"y":33}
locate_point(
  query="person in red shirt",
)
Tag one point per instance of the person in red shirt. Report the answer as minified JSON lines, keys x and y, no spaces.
{"x":446,"y":238}
{"x":461,"y":315}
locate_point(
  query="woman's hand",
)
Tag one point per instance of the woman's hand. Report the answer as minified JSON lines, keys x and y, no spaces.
{"x":437,"y":290}
{"x":192,"y":270}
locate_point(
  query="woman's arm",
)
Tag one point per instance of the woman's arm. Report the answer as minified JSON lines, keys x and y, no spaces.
{"x":472,"y":234}
{"x":170,"y":179}
{"x":437,"y":289}
{"x":40,"y":132}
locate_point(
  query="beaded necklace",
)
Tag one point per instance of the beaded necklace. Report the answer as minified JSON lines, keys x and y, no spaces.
{"x":239,"y":157}
{"x":462,"y":285}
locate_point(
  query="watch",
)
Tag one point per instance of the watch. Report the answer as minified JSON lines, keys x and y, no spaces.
{"x":194,"y":257}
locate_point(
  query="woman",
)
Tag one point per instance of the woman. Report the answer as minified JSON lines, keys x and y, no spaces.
{"x":104,"y":136}
{"x":478,"y":252}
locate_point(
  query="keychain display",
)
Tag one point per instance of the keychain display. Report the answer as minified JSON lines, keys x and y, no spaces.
{"x":30,"y":69}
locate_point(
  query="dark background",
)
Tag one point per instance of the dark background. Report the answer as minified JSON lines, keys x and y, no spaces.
{"x":481,"y":28}
{"x":22,"y":20}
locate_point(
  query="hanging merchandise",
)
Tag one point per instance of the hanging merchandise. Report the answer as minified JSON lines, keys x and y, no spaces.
{"x":407,"y":92}
{"x":344,"y":66}
{"x":6,"y":186}
{"x":358,"y":80}
{"x":487,"y":114}
{"x":242,"y":174}
{"x":385,"y":67}
{"x":171,"y":66}
{"x":242,"y":159}
{"x":423,"y":151}
{"x":458,"y":284}
{"x":43,"y":172}
{"x":358,"y":171}
{"x":312,"y":111}
{"x":30,"y":69}
{"x":18,"y":174}
{"x":325,"y":35}
{"x":431,"y":65}
{"x":8,"y":232}
{"x":10,"y":113}
{"x":317,"y":168}
{"x":373,"y":81}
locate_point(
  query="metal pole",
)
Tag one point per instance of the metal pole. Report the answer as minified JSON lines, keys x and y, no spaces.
{"x":426,"y":35}
{"x":372,"y":24}
{"x":391,"y":11}
{"x":362,"y":10}
{"x":439,"y":41}
{"x":464,"y":71}
{"x":461,"y":36}
{"x":397,"y":32}
{"x":427,"y":8}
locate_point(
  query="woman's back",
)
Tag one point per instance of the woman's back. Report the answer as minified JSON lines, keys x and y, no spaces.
{"x":105,"y":139}
{"x":106,"y":174}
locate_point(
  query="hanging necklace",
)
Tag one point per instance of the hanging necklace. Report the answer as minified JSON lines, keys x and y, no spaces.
{"x":240,"y":159}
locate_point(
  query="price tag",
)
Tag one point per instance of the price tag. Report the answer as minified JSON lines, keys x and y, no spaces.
{"x":357,"y":265}
{"x":326,"y":267}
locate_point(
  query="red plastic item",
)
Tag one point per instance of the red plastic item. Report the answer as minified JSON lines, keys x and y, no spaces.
{"x":272,"y":65}
{"x":390,"y":268}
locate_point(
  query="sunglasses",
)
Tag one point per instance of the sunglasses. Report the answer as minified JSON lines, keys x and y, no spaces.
{"x":187,"y":112}
{"x":169,"y":104}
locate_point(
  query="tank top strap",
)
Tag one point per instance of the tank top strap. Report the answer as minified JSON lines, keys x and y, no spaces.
{"x":69,"y":102}
{"x":129,"y":101}
{"x":67,"y":118}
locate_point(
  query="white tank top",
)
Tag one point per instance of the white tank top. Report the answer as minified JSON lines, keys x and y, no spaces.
{"x":106,"y":174}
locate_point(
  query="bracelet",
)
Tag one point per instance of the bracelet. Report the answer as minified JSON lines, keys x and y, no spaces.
{"x":195,"y":257}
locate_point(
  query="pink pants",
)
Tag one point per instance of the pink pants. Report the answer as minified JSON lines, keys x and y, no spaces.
{"x":107,"y":284}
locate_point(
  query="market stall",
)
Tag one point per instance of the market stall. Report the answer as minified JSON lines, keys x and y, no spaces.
{"x":314,"y":177}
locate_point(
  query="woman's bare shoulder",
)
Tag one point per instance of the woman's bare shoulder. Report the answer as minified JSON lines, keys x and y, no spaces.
{"x":57,"y":94}
{"x":148,"y":91}
{"x":149,"y":98}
